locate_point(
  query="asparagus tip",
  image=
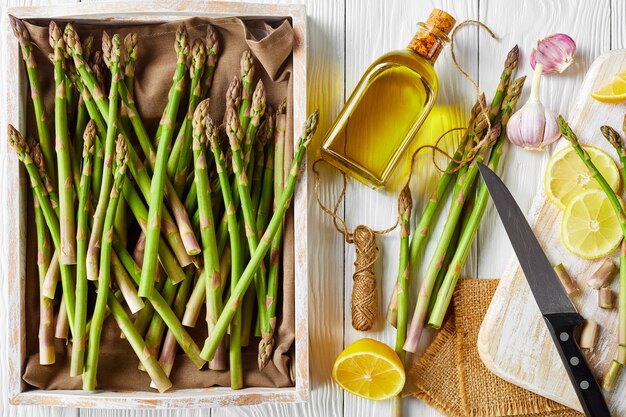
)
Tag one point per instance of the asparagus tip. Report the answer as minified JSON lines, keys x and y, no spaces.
{"x":130,"y":45}
{"x":566,"y":130}
{"x":198,"y":121}
{"x":16,"y":140}
{"x":266,"y":347}
{"x":89,"y":137}
{"x":405,"y":202}
{"x":612,"y":136}
{"x":512,"y":57}
{"x":282,"y":108}
{"x":72,"y":41}
{"x":182,"y":42}
{"x":55,"y":36}
{"x":87,"y":46}
{"x":233,"y":94}
{"x":121,"y":155}
{"x":258,"y":98}
{"x":212,"y":43}
{"x":198,"y":54}
{"x":19,"y":30}
{"x":246,"y":63}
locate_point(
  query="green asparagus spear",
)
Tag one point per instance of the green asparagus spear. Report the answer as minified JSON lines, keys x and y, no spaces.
{"x":84,"y":198}
{"x":236,"y":376}
{"x":247,"y":74}
{"x":104,"y":278}
{"x":111,"y":51}
{"x":67,"y":255}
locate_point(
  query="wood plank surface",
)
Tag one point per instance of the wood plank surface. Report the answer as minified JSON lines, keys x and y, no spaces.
{"x":344,"y":37}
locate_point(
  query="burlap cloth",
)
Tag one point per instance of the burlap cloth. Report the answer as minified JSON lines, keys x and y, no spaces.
{"x":271,"y":42}
{"x":451,"y":377}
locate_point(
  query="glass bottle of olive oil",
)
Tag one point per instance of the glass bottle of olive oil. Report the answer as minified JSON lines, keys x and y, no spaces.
{"x":388,"y":106}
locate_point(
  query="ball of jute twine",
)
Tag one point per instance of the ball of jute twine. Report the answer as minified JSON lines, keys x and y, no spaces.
{"x":364,"y":303}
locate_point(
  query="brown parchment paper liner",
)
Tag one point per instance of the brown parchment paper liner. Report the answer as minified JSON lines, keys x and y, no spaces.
{"x":271,"y":42}
{"x":451,"y":377}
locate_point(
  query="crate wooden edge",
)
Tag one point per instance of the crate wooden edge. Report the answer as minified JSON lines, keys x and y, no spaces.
{"x":16,"y":231}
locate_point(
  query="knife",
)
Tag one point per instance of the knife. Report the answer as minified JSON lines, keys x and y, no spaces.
{"x":557,"y":309}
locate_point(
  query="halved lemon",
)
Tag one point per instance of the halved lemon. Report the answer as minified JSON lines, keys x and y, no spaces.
{"x":567,"y":176}
{"x":590,"y":228}
{"x":369,"y":369}
{"x":613,"y":92}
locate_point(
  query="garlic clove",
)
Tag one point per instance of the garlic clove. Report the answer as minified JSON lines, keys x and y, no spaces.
{"x":533,"y":127}
{"x":551,"y":132}
{"x":555,"y":53}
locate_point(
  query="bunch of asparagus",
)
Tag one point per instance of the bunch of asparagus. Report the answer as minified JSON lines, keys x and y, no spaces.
{"x":198,"y":192}
{"x":482,"y":142}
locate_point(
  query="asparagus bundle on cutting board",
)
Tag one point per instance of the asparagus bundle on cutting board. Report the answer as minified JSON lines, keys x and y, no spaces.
{"x":196,"y":199}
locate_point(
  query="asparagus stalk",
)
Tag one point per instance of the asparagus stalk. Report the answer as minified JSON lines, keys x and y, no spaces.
{"x":153,"y":231}
{"x":178,"y":173}
{"x":256,"y":186}
{"x":266,"y":345}
{"x":466,"y":182}
{"x":67,"y":255}
{"x":46,"y":308}
{"x":247,"y":74}
{"x":233,"y":130}
{"x":23,"y":150}
{"x":251,"y":269}
{"x":207,"y":230}
{"x":615,"y":139}
{"x":467,"y":237}
{"x":102,"y":104}
{"x":267,"y":191}
{"x":84,"y":197}
{"x":104,"y":278}
{"x":405,"y":204}
{"x":236,"y":375}
{"x":111,"y":51}
{"x":92,"y":109}
{"x":41,"y":116}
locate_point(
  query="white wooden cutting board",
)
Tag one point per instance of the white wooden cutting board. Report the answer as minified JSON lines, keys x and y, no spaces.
{"x":514,"y":342}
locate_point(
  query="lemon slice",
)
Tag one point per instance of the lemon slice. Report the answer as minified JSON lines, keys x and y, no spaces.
{"x":590,"y":229}
{"x":567,"y":176}
{"x":613,"y":92}
{"x":369,"y":369}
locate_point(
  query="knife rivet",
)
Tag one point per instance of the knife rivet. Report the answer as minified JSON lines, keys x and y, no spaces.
{"x":584,"y":385}
{"x":564,"y":337}
{"x":574,"y":361}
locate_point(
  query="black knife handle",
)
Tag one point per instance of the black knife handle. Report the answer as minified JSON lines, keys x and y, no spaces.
{"x":563,"y":328}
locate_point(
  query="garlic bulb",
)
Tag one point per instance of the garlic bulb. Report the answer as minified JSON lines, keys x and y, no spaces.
{"x":555,"y":53}
{"x":533,"y":126}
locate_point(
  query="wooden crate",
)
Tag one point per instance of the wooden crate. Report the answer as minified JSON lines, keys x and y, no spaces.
{"x":15,"y":105}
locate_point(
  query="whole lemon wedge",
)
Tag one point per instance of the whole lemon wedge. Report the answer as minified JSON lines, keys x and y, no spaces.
{"x":369,"y":369}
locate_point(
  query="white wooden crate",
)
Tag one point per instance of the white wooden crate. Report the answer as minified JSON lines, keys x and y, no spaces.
{"x":15,"y":106}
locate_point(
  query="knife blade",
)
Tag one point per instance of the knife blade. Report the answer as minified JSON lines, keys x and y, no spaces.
{"x":558,"y":312}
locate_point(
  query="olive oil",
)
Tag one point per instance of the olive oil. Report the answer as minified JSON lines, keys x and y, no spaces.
{"x":388,"y":106}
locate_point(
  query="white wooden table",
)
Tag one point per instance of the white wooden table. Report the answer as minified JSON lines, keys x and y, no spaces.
{"x":344,"y":37}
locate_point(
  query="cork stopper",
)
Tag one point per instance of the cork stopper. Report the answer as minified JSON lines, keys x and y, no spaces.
{"x":433,"y":34}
